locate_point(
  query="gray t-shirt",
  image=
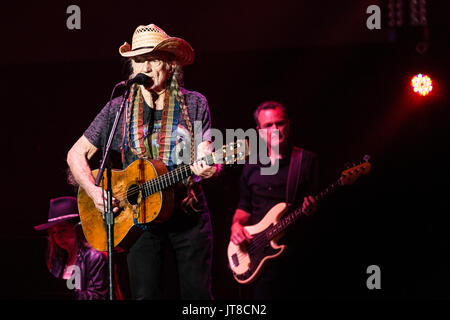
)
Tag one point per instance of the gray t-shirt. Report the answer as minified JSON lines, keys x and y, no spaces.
{"x":198,"y":110}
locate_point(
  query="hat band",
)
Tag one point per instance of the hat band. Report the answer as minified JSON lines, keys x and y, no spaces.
{"x":63,"y":217}
{"x":149,"y":47}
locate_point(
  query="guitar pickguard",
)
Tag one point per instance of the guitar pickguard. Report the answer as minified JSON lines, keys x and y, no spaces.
{"x":258,"y":249}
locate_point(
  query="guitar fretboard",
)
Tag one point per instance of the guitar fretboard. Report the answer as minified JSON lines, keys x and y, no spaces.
{"x":289,"y":218}
{"x":166,"y":180}
{"x":227,"y":154}
{"x":170,"y":178}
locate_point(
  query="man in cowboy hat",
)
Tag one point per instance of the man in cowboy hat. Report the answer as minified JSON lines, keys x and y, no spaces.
{"x":153,"y":112}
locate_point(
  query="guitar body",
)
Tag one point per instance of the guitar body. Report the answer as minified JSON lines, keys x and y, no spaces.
{"x":156,"y":207}
{"x":247,"y":260}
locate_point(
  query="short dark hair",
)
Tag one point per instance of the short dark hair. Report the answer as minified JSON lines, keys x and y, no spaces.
{"x":269,"y":105}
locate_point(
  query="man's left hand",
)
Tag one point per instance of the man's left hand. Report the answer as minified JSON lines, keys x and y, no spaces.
{"x":309,"y":206}
{"x":201,"y":169}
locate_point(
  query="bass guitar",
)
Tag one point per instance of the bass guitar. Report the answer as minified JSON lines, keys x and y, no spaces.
{"x":247,"y":259}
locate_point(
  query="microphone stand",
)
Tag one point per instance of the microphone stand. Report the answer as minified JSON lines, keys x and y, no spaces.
{"x":108,"y":214}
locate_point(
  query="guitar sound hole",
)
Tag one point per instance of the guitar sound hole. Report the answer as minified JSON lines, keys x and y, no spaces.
{"x":133,"y":194}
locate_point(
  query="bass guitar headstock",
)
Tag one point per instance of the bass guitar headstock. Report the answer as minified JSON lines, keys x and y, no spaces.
{"x":354,"y":171}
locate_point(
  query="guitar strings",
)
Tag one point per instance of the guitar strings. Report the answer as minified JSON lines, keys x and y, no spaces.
{"x":160,"y":182}
{"x":166,"y":179}
{"x":260,"y":240}
{"x":255,"y":244}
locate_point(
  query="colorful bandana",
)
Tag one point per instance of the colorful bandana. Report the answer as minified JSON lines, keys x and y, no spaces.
{"x":136,"y":135}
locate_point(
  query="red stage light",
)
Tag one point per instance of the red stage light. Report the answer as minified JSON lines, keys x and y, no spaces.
{"x":422,"y":84}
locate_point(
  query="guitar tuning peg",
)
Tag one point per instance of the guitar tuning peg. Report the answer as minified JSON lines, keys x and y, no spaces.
{"x":366,"y":158}
{"x":347,"y":165}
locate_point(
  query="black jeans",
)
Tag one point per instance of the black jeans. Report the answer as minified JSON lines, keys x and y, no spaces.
{"x":192,"y":243}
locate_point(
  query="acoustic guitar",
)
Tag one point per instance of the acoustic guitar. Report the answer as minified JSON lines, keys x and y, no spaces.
{"x":247,"y":259}
{"x":145,"y":194}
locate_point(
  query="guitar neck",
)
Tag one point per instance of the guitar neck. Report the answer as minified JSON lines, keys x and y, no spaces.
{"x":291,"y":217}
{"x":227,"y":154}
{"x":170,"y":178}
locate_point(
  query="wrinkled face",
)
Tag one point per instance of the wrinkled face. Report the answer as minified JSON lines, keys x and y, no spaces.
{"x":154,"y":66}
{"x":64,"y":235}
{"x":273,"y":127}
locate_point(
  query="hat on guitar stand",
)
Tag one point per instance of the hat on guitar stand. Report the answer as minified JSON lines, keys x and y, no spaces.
{"x":61,"y":209}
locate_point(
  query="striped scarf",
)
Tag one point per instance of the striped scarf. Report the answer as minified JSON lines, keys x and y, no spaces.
{"x":135,"y":133}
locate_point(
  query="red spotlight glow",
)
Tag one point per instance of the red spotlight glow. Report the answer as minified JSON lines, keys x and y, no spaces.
{"x":422,"y":84}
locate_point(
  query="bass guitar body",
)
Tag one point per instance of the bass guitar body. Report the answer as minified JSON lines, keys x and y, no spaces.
{"x":247,"y":260}
{"x":135,"y":206}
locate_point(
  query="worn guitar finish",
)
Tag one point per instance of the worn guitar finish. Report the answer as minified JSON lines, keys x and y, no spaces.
{"x":156,"y":207}
{"x":145,"y":191}
{"x":247,"y":259}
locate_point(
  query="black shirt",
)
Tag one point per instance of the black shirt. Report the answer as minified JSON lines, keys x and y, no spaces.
{"x":259,"y":193}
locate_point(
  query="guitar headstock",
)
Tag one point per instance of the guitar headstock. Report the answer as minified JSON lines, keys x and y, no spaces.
{"x":351,"y":174}
{"x":233,"y":152}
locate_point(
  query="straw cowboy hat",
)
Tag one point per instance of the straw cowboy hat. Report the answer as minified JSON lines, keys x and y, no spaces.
{"x":61,"y":209}
{"x":151,"y":38}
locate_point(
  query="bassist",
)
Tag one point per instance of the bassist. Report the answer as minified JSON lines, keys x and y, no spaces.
{"x":259,"y":193}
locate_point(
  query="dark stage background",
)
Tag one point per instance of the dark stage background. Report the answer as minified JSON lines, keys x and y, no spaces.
{"x":346,"y":88}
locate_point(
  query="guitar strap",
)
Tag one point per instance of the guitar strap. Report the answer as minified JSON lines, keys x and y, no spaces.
{"x":295,"y":174}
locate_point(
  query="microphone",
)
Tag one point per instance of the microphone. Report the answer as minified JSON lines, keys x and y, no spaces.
{"x":140,"y":78}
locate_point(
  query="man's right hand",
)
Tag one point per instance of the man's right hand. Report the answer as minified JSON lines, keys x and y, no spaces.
{"x":99,"y":197}
{"x":239,"y":234}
